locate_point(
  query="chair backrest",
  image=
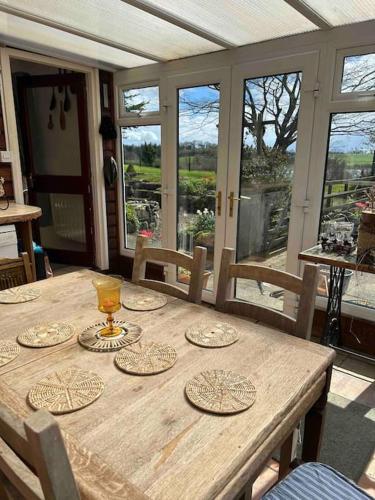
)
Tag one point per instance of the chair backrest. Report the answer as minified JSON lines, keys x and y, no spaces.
{"x":195,"y":265}
{"x":15,"y":272}
{"x":33,"y":460}
{"x":305,"y":287}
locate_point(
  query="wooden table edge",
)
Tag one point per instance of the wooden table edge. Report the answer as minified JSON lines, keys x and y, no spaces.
{"x":95,"y":479}
{"x":261,"y":456}
{"x":326,"y":260}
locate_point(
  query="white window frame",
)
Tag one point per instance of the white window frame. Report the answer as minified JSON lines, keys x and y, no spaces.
{"x":129,"y":115}
{"x":134,"y":120}
{"x":331,"y":101}
{"x":341,"y":54}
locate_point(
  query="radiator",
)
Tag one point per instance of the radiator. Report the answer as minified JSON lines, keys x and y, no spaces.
{"x":68,"y":217}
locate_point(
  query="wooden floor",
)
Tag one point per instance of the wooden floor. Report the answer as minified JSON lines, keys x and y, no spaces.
{"x":355,"y":381}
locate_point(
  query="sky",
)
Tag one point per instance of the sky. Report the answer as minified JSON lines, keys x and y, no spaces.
{"x":203,"y":127}
{"x":198,"y":127}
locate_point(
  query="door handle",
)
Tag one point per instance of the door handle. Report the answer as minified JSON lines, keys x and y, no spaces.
{"x":218,"y":197}
{"x":232,"y":199}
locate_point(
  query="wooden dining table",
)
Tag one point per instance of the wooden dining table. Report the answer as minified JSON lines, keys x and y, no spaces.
{"x":142,"y":438}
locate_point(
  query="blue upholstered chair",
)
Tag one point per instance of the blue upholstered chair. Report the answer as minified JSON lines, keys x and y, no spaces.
{"x":314,"y":481}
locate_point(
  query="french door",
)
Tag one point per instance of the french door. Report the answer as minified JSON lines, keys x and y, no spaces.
{"x":268,"y":168}
{"x":237,"y":147}
{"x":197,"y":158}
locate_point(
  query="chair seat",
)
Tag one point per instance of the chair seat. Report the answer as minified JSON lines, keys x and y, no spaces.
{"x":314,"y":481}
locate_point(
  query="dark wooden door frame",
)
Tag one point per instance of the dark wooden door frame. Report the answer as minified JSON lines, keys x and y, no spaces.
{"x":61,"y":184}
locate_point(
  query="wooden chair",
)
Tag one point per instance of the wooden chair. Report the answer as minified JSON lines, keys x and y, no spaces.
{"x":195,"y":265}
{"x":15,"y":272}
{"x":33,"y":460}
{"x":300,"y":326}
{"x":305,"y":287}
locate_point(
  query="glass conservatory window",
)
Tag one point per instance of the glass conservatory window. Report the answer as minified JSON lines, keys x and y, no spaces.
{"x":358,"y":73}
{"x":140,"y":101}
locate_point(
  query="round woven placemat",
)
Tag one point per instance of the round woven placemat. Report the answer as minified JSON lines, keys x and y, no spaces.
{"x":220,"y":391}
{"x":46,"y":335}
{"x":18,"y":295}
{"x":146,"y":359}
{"x":93,"y":341}
{"x":212,"y":335}
{"x":144,"y":301}
{"x":8,"y":352}
{"x":66,"y":391}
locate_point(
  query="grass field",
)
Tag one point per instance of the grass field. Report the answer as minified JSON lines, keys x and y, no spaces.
{"x":153,"y":174}
{"x":354,"y":159}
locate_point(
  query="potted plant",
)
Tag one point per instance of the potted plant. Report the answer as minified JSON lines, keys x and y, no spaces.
{"x":184,"y":276}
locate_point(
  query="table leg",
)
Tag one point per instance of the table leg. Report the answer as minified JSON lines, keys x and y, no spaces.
{"x":27,"y":240}
{"x":332,"y":328}
{"x":314,"y":422}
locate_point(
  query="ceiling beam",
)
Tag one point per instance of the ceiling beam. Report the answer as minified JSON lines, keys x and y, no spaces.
{"x":180,"y":22}
{"x":310,"y":13}
{"x":7,"y":9}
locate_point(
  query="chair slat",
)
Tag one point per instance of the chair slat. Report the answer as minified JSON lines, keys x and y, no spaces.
{"x":195,"y":265}
{"x":33,"y":456}
{"x":18,"y":474}
{"x":305,"y":287}
{"x":13,"y":432}
{"x":167,"y":255}
{"x":50,"y":457}
{"x":267,"y":275}
{"x":162,"y":287}
{"x":263,"y":314}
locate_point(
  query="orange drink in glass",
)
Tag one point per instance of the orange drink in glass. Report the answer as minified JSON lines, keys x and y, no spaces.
{"x":108,"y":289}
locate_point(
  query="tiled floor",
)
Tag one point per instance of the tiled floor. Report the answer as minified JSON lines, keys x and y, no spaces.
{"x":355,"y":381}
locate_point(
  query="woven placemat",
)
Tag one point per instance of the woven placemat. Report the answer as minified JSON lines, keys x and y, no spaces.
{"x":18,"y":295}
{"x":144,"y":301}
{"x":46,"y":335}
{"x":212,"y":335}
{"x":66,"y":391}
{"x":146,"y":359}
{"x":8,"y":352}
{"x":93,"y":341}
{"x":220,"y":391}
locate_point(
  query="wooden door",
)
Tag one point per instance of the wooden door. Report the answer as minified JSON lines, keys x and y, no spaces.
{"x":57,"y":164}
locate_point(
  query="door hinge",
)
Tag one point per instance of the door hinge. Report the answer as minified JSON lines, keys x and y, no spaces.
{"x":305,"y":204}
{"x":315,"y":89}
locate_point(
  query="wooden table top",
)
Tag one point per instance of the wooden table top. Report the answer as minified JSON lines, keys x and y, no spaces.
{"x":18,"y":213}
{"x":143,"y":427}
{"x":316,"y":255}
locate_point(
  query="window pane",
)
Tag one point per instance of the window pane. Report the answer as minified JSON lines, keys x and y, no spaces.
{"x":142,"y":183}
{"x":140,"y":101}
{"x":198,"y":134}
{"x":270,"y":117}
{"x":350,"y":171}
{"x":359,"y":73}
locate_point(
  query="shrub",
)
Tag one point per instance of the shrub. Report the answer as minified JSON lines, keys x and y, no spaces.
{"x":132,"y":221}
{"x":203,"y":225}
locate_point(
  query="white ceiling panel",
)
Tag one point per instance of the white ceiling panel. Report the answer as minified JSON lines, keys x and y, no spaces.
{"x":27,"y":34}
{"x":119,"y":22}
{"x":240,"y":22}
{"x":338,"y":12}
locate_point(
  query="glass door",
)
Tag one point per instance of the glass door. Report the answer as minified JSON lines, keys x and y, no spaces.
{"x":267,"y":182}
{"x":198,"y":119}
